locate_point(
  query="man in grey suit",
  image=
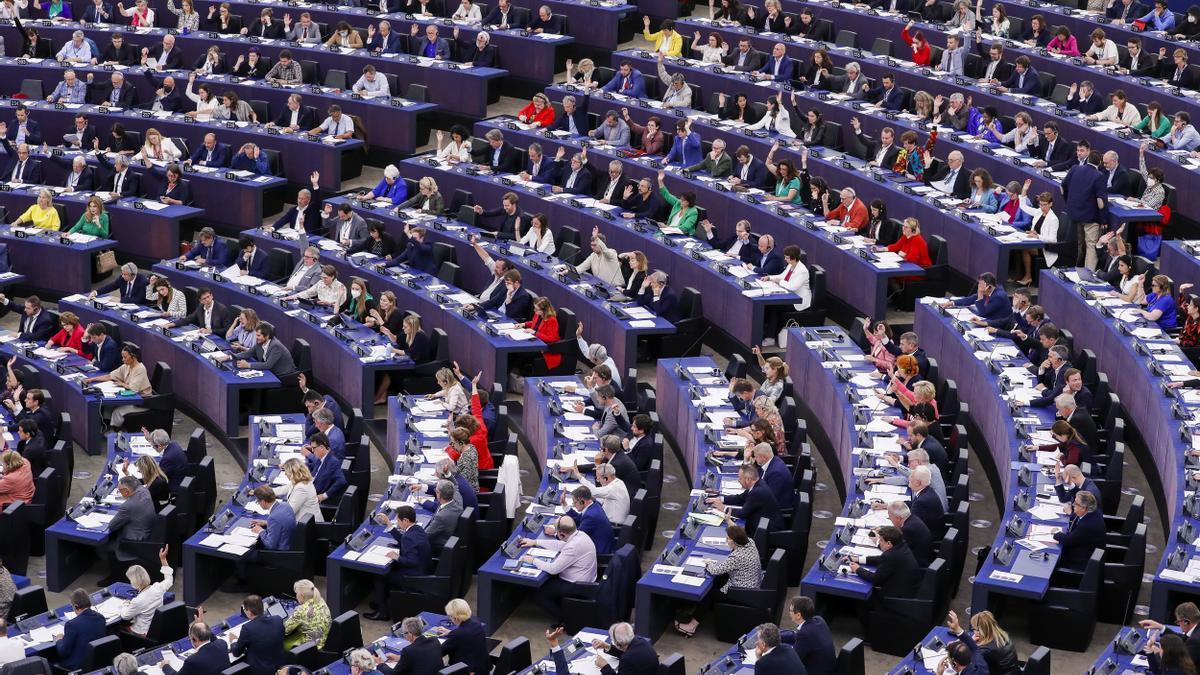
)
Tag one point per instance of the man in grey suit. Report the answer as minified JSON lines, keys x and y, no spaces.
{"x":133,"y":522}
{"x":854,"y":83}
{"x":268,"y":354}
{"x":347,"y":227}
{"x":445,"y":518}
{"x":306,"y":273}
{"x":717,"y":162}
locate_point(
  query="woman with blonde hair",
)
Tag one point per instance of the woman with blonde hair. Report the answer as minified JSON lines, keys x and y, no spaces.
{"x":41,"y":214}
{"x":311,"y":619}
{"x":582,"y":74}
{"x":466,"y":642}
{"x":93,"y":221}
{"x":139,"y":610}
{"x":427,"y":199}
{"x":158,"y":149}
{"x":189,"y":19}
{"x":920,"y":399}
{"x":997,"y":647}
{"x":300,"y":492}
{"x":17,"y":481}
{"x":241,"y":333}
{"x":639,"y":267}
{"x":153,"y":478}
{"x":454,"y":397}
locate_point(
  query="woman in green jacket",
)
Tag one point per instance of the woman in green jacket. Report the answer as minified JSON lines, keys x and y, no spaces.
{"x":683,"y":208}
{"x":93,"y":221}
{"x":1155,"y":122}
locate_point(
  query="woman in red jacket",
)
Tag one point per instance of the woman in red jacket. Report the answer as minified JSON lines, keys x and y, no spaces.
{"x":538,"y":111}
{"x":17,"y":481}
{"x":1068,"y":443}
{"x":473,"y":423}
{"x":545,"y":326}
{"x":911,"y":246}
{"x":70,"y":338}
{"x":920,"y":48}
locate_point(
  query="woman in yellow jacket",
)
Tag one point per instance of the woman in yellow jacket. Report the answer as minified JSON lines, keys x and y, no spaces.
{"x":667,"y":40}
{"x":42,"y":214}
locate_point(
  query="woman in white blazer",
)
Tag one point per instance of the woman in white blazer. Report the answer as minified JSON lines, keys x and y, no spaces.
{"x":776,"y":119}
{"x":794,"y":277}
{"x":1044,"y":227}
{"x":538,"y":237}
{"x":300,"y":493}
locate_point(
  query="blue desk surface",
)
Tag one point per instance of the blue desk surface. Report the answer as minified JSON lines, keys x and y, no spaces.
{"x":1122,"y":653}
{"x":579,"y":649}
{"x":437,"y":625}
{"x":932,"y":650}
{"x":55,"y":618}
{"x":997,"y":366}
{"x":1141,"y":357}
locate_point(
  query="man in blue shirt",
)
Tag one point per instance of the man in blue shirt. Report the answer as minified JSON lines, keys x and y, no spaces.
{"x":990,"y":301}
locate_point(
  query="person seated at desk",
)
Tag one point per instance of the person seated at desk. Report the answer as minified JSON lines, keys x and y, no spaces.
{"x":251,"y":158}
{"x":21,"y":168}
{"x":310,"y":620}
{"x":97,"y":347}
{"x":446,"y":514}
{"x":274,"y":534}
{"x":16,"y":483}
{"x":69,"y":339}
{"x":538,"y":237}
{"x":329,"y":480}
{"x":422,"y":654}
{"x":267,"y":353}
{"x":427,"y":200}
{"x":166,"y":56}
{"x":548,"y":22}
{"x":35,"y":325}
{"x":1070,"y":481}
{"x":265,"y":26}
{"x":660,"y":299}
{"x":306,"y":32}
{"x":1068,"y":443}
{"x":755,"y":502}
{"x":81,"y":135}
{"x":174,"y":191}
{"x":70,"y":90}
{"x":378,"y":243}
{"x":336,"y":124}
{"x":208,"y":655}
{"x":34,"y":409}
{"x":381,"y":41}
{"x":241,"y":333}
{"x":642,"y":202}
{"x":1160,"y":303}
{"x":502,"y":17}
{"x":344,"y":37}
{"x":478,"y":52}
{"x":684,"y":213}
{"x":1024,"y":79}
{"x":251,"y":261}
{"x":1085,"y":532}
{"x":76,"y":50}
{"x":306,"y":215}
{"x":390,"y":187}
{"x":327,"y":292}
{"x":210,"y":316}
{"x":743,"y":567}
{"x":166,"y":300}
{"x":359,"y":301}
{"x":139,"y":610}
{"x":261,"y":638}
{"x":118,"y":52}
{"x":211,"y":62}
{"x":459,"y":147}
{"x":251,"y":65}
{"x":466,"y":643}
{"x":140,"y":15}
{"x":414,"y":558}
{"x":636,"y":655}
{"x":134,"y":521}
{"x":431,"y":46}
{"x":209,"y":249}
{"x":371,"y":84}
{"x":32,"y":446}
{"x":603,"y":262}
{"x":23,"y":130}
{"x":418,"y":253}
{"x":78,"y":633}
{"x":173,"y":465}
{"x":502,"y":158}
{"x":896,"y":572}
{"x":81,"y":178}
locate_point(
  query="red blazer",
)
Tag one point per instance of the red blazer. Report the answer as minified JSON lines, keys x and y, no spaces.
{"x":922,"y":55}
{"x":547,"y":331}
{"x":479,"y":439}
{"x":74,"y":340}
{"x":914,"y":250}
{"x":858,"y":214}
{"x":543,"y":119}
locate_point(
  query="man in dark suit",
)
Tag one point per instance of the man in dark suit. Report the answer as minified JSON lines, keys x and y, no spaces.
{"x":328,"y":478}
{"x":1079,"y":419}
{"x":1070,"y":481}
{"x":503,"y":16}
{"x":775,"y":474}
{"x":1051,"y":150}
{"x":634,"y":654}
{"x":745,"y":59}
{"x":166,"y":54}
{"x":118,"y":52}
{"x":423,"y":653}
{"x":31,"y":445}
{"x":98,"y":11}
{"x":418,"y":253}
{"x":887,"y":96}
{"x":609,"y":186}
{"x":1116,"y":178}
{"x":295,"y":115}
{"x":20,"y":168}
{"x":919,"y":439}
{"x":1107,"y":268}
{"x":514,"y":303}
{"x":265,"y":26}
{"x":740,"y":245}
{"x":267,"y":354}
{"x":1084,"y":99}
{"x":963,"y":657}
{"x":499,"y":156}
{"x":1126,"y":10}
{"x":773,"y":657}
{"x":478,"y":52}
{"x":122,"y":181}
{"x":36,"y":323}
{"x":314,"y":401}
{"x":130,"y":285}
{"x":769,"y":260}
{"x":591,"y":520}
{"x":812,"y":638}
{"x":1023,"y":80}
{"x":306,"y":214}
{"x":659,"y":298}
{"x":413,"y":559}
{"x":384,"y":40}
{"x":1084,"y":191}
{"x":909,"y":343}
{"x":79,"y":177}
{"x":546,"y":22}
{"x":82,"y":134}
{"x":538,"y":168}
{"x":950,"y":177}
{"x":573,"y":178}
{"x":208,"y":656}
{"x":1085,"y":533}
{"x":251,"y":261}
{"x":755,"y":502}
{"x":173,"y":461}
{"x":87,"y":625}
{"x":916,"y":533}
{"x":639,"y":444}
{"x":134,"y":521}
{"x":210,"y":316}
{"x":989,"y":302}
{"x":573,"y":119}
{"x":104,"y":351}
{"x":1187,"y":618}
{"x":1052,"y":373}
{"x":881,"y":152}
{"x":24,"y":130}
{"x":896,"y":573}
{"x":209,"y":249}
{"x":748,"y":171}
{"x":1136,"y":61}
{"x":445,"y":515}
{"x":210,"y":153}
{"x":261,"y":639}
{"x":925,"y":503}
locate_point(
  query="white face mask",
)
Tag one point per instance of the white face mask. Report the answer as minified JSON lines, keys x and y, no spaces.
{"x":1191,"y":19}
{"x":1150,"y":182}
{"x":344,"y":33}
{"x":354,"y":292}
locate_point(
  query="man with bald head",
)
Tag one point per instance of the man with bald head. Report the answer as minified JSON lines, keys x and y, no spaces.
{"x":1116,"y":178}
{"x":21,"y":168}
{"x":165,"y":55}
{"x":1070,"y":481}
{"x":574,"y":564}
{"x":952,"y":177}
{"x":116,"y":92}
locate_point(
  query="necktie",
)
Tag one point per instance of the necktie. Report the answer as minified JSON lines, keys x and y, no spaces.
{"x":1049,"y":150}
{"x":1037,"y":226}
{"x":788,"y":276}
{"x":117,"y":183}
{"x":20,"y":172}
{"x":305,"y":35}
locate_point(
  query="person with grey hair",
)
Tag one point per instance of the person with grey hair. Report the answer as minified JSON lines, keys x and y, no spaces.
{"x":756,"y":501}
{"x":608,"y":490}
{"x":595,"y":353}
{"x":129,"y":284}
{"x":124,"y":664}
{"x":635,"y":655}
{"x":306,"y":273}
{"x":134,"y":521}
{"x":208,"y":655}
{"x":854,"y":83}
{"x":1052,"y":373}
{"x":305,"y":216}
{"x":500,"y":156}
{"x":951,"y":178}
{"x":1070,"y":481}
{"x":77,"y":50}
{"x":423,"y":653}
{"x":925,"y":503}
{"x":656,"y":296}
{"x":361,"y":662}
{"x":573,"y":119}
{"x":1084,"y":533}
{"x":1066,"y":408}
{"x":445,"y":517}
{"x":70,"y":90}
{"x":677,"y":93}
{"x":480,"y":52}
{"x":323,"y":419}
{"x":603,"y":262}
{"x":447,"y":470}
{"x":613,"y":130}
{"x":172,"y":461}
{"x":390,"y":187}
{"x":717,"y":162}
{"x":575,"y":563}
{"x":140,"y":609}
{"x":956,"y":114}
{"x":773,"y":658}
{"x":916,"y":533}
{"x":916,"y":458}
